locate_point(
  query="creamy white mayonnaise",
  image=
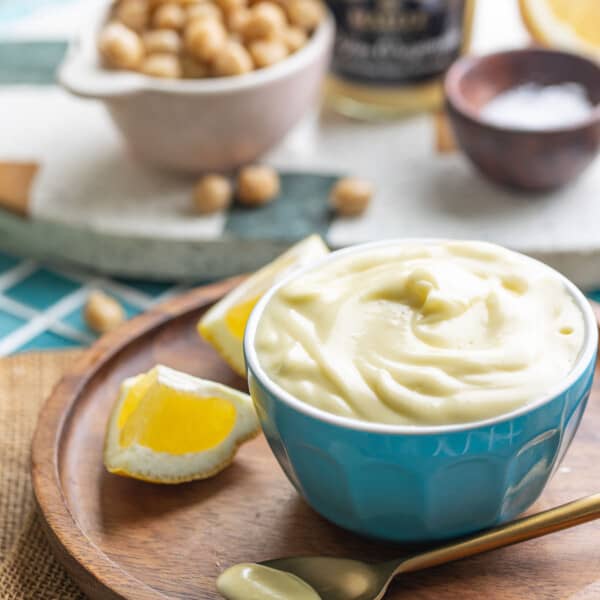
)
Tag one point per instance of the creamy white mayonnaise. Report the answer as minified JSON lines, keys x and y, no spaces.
{"x":421,"y":334}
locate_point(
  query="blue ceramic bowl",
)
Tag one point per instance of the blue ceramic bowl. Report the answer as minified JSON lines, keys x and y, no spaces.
{"x":409,"y":483}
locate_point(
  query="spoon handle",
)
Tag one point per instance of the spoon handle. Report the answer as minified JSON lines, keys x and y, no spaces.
{"x":555,"y":519}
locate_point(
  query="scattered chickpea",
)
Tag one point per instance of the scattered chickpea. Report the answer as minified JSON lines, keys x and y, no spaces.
{"x":306,"y":14}
{"x":102,"y":312}
{"x":266,"y":20}
{"x":233,"y":60}
{"x":120,"y":47}
{"x":294,"y":38}
{"x":267,"y":52}
{"x":212,"y":193}
{"x":192,"y":69}
{"x":163,"y":65}
{"x":206,"y":10}
{"x":205,"y":38}
{"x":351,"y":196}
{"x":162,"y":41}
{"x":257,"y":185}
{"x":169,"y":16}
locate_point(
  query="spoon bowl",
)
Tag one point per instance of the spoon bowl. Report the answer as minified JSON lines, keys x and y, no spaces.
{"x":339,"y":578}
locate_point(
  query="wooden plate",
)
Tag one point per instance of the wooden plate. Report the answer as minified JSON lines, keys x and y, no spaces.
{"x":121,"y":538}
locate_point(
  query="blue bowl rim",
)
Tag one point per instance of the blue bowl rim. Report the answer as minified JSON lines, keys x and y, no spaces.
{"x":586,"y":355}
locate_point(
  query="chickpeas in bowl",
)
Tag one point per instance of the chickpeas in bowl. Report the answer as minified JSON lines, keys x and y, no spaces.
{"x":177,"y":39}
{"x":179,"y":112}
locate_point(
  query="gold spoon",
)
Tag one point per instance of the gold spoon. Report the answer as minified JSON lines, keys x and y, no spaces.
{"x":346,"y":579}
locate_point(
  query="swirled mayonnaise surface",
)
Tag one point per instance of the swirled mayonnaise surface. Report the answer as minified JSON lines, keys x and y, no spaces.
{"x":421,"y":333}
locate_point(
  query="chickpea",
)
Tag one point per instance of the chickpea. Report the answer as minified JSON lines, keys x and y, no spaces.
{"x":192,"y":69}
{"x":120,"y":47}
{"x":205,"y":38}
{"x":236,"y":20}
{"x":266,"y":20}
{"x":281,"y":3}
{"x":294,"y":38}
{"x":228,"y":5}
{"x":351,"y":196}
{"x":233,"y":59}
{"x":257,"y":185}
{"x":204,"y":11}
{"x":162,"y":41}
{"x":133,"y":14}
{"x":163,"y":65}
{"x":169,"y":16}
{"x":267,"y":52}
{"x":306,"y":14}
{"x":212,"y":193}
{"x":155,"y":3}
{"x":102,"y":312}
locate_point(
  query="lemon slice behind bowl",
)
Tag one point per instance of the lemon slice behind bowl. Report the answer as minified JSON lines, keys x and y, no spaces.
{"x":170,"y":427}
{"x":572,"y":25}
{"x":223,"y":325}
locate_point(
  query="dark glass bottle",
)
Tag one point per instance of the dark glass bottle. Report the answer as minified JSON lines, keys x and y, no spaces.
{"x":389,"y":55}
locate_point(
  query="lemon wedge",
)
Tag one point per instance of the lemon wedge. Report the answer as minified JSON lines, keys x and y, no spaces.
{"x":223,"y":325}
{"x":169,"y":427}
{"x":566,"y":24}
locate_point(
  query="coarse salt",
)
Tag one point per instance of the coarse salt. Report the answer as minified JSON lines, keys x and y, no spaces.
{"x":535,"y":107}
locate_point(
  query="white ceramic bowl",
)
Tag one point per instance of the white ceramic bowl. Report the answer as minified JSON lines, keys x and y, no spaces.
{"x":204,"y":124}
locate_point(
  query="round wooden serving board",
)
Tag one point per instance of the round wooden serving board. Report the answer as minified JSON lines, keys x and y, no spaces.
{"x":121,"y":538}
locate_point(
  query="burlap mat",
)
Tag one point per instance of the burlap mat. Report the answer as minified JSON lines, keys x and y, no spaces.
{"x":28,"y":570}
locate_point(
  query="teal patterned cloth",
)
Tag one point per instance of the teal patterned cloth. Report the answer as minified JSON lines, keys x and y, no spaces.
{"x":23,"y":62}
{"x":42,"y":307}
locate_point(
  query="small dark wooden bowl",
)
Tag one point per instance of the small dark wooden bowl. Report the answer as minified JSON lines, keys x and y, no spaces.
{"x":526,"y":159}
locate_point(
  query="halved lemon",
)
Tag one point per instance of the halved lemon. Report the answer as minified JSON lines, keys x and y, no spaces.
{"x":223,"y":325}
{"x":566,"y":24}
{"x":170,"y":427}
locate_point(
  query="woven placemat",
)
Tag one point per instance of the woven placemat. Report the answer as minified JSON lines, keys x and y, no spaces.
{"x":28,"y":569}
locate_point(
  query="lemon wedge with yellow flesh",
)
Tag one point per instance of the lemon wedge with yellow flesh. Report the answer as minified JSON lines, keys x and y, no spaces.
{"x":566,"y":24}
{"x":223,"y":325}
{"x":170,"y":427}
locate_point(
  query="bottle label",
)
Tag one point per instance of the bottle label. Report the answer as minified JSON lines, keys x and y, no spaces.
{"x":390,"y":42}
